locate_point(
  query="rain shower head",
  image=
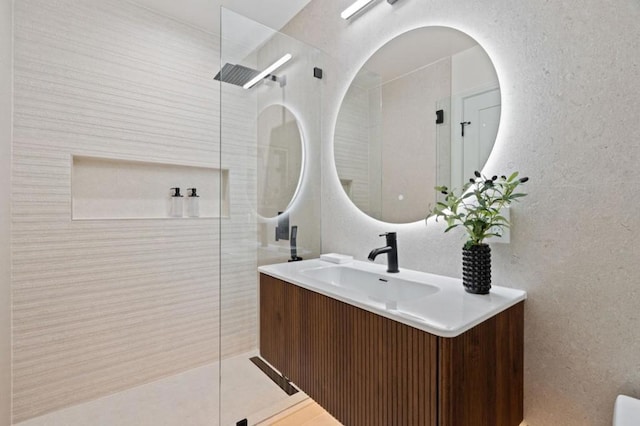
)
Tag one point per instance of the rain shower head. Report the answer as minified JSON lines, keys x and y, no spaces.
{"x":236,"y":74}
{"x":248,"y":77}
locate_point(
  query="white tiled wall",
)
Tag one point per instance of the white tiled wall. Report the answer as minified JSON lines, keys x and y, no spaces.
{"x":5,"y":224}
{"x":352,"y":145}
{"x":301,"y":95}
{"x":104,"y":305}
{"x":238,"y":247}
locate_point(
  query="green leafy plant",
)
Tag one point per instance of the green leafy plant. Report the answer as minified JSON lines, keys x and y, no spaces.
{"x":477,"y":206}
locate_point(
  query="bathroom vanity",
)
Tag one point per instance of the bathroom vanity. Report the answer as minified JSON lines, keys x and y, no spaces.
{"x":378,"y":349}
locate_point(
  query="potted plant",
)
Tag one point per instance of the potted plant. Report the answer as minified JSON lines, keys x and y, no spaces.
{"x":477,"y":208}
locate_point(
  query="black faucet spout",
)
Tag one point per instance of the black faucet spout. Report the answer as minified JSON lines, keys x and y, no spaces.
{"x":391,"y":249}
{"x":375,"y":252}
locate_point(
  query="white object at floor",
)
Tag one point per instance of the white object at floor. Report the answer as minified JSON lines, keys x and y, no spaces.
{"x":626,"y":411}
{"x":336,"y":258}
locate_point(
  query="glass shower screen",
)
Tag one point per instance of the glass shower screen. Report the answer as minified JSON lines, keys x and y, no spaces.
{"x":270,"y":126}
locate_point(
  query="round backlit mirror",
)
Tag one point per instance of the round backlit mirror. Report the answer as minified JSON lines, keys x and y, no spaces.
{"x":279,"y":160}
{"x":423,"y":111}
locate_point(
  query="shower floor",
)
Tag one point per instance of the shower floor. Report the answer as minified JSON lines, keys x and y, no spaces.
{"x":186,"y":399}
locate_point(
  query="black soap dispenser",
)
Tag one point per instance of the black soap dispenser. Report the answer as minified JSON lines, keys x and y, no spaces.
{"x":193,"y":204}
{"x":175,"y":203}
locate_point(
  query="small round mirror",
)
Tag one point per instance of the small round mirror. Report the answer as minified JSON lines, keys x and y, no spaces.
{"x":423,"y":111}
{"x":279,"y":160}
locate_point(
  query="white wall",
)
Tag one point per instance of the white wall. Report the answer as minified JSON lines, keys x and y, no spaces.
{"x":568,"y":73}
{"x":5,"y":223}
{"x":104,"y":305}
{"x":352,"y":154}
{"x":238,"y":126}
{"x":301,"y":95}
{"x":409,"y":162}
{"x":471,"y":69}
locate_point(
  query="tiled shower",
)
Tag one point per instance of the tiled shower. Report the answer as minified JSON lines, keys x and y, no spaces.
{"x":112,"y":102}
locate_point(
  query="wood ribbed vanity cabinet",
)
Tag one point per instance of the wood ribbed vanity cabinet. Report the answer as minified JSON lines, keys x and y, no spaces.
{"x":369,"y":370}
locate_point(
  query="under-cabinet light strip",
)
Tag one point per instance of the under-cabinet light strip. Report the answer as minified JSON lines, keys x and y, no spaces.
{"x":354,"y":8}
{"x":271,"y":68}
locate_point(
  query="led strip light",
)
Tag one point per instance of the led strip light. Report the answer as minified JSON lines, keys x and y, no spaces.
{"x":271,"y":68}
{"x":354,"y":8}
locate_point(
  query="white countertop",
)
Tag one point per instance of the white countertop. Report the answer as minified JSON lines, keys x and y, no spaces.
{"x":447,"y":312}
{"x":626,"y":412}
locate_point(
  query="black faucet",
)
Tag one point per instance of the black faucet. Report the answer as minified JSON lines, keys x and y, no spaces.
{"x":392,"y":252}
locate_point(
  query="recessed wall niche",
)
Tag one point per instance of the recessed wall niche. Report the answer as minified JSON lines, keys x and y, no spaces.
{"x":107,"y":188}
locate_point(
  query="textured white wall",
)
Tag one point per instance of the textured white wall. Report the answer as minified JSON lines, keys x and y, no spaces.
{"x":104,"y":305}
{"x":471,"y":71}
{"x":237,"y":245}
{"x":5,"y":214}
{"x":568,"y":73}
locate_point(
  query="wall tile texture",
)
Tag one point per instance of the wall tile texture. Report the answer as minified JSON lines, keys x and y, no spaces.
{"x":100,"y":306}
{"x":6,"y":63}
{"x":568,"y":73}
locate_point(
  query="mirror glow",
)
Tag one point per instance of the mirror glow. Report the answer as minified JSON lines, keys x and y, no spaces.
{"x":389,"y":150}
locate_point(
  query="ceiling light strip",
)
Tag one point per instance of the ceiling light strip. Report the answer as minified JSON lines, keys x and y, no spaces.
{"x":271,"y":68}
{"x":354,"y":8}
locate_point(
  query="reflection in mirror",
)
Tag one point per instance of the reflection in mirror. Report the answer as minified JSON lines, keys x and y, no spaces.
{"x":279,"y":159}
{"x":389,"y":150}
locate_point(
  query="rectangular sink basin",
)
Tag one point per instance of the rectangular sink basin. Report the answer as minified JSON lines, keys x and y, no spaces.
{"x":432,"y":303}
{"x":380,"y":288}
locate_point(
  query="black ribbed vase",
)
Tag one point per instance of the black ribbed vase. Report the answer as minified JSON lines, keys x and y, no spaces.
{"x":476,"y":269}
